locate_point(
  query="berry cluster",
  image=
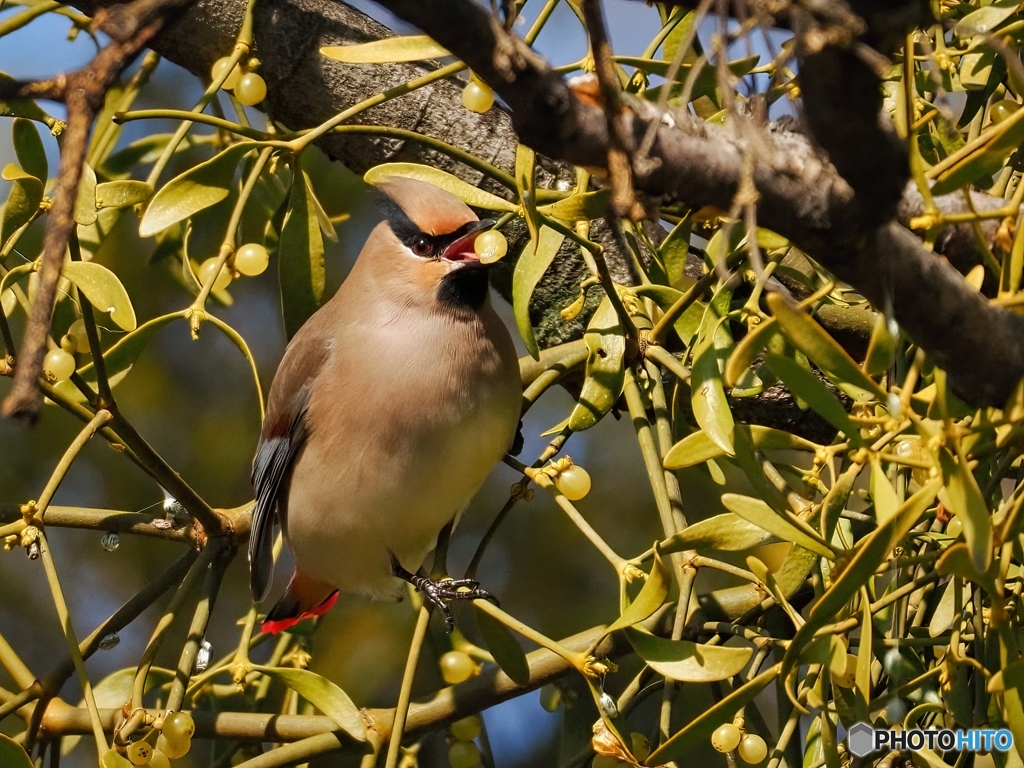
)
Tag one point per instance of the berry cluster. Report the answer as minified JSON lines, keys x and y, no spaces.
{"x":174,"y":741}
{"x":250,"y":89}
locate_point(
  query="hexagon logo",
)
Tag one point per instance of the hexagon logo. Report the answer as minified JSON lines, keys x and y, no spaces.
{"x":861,"y":739}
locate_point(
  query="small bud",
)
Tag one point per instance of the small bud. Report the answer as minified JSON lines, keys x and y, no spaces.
{"x":109,"y":641}
{"x":203,"y":656}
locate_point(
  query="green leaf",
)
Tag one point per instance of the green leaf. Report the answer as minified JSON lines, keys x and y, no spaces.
{"x":882,"y":493}
{"x":957,"y":561}
{"x":811,"y":339}
{"x":122,"y":194}
{"x":12,"y":755}
{"x":698,"y":731}
{"x":809,"y":388}
{"x":687,"y":661}
{"x":747,"y":350}
{"x":199,"y":187}
{"x":651,"y":597}
{"x":1011,"y":676}
{"x":697,"y":448}
{"x":29,"y":147}
{"x":760,"y":514}
{"x":985,"y":156}
{"x":25,"y":108}
{"x":674,"y":251}
{"x":945,"y":611}
{"x":969,"y":505}
{"x":526,"y":184}
{"x":391,"y":50}
{"x":869,"y":553}
{"x":530,"y":268}
{"x":85,"y":201}
{"x":727,"y":533}
{"x":503,"y":647}
{"x":864,"y":660}
{"x":583,"y":206}
{"x":22,"y":201}
{"x":687,"y":324}
{"x":760,"y":570}
{"x":881,"y":352}
{"x":119,"y":359}
{"x":986,"y":19}
{"x":322,"y":694}
{"x":300,"y":257}
{"x":104,"y":291}
{"x":467,"y":193}
{"x":605,"y":370}
{"x":710,"y":405}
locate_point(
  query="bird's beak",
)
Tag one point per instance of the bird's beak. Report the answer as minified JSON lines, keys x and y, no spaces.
{"x":461,"y":249}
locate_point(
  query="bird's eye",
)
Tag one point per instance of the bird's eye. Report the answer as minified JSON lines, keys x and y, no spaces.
{"x":422,"y":247}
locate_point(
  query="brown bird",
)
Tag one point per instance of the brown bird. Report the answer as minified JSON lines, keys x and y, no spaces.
{"x":389,"y":409}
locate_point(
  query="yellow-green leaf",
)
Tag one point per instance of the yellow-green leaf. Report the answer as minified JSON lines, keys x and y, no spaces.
{"x":767,"y":578}
{"x":605,"y":370}
{"x":390,"y":50}
{"x":969,"y":505}
{"x":85,"y":200}
{"x":697,"y":448}
{"x":688,"y":323}
{"x":811,"y":339}
{"x":957,"y":561}
{"x":300,"y":257}
{"x":29,"y":148}
{"x":981,"y":157}
{"x":467,"y":193}
{"x":322,"y":694}
{"x":651,"y":597}
{"x":122,"y":194}
{"x":760,"y":514}
{"x":687,"y":661}
{"x":503,"y":647}
{"x":945,"y":611}
{"x":583,"y":206}
{"x":1012,"y":676}
{"x":698,"y":731}
{"x":197,"y":188}
{"x":530,"y":268}
{"x":12,"y":755}
{"x":526,"y":183}
{"x":809,"y":388}
{"x":987,"y":18}
{"x":882,"y":348}
{"x":743,"y":355}
{"x":727,"y":533}
{"x":103,"y":290}
{"x":867,"y":556}
{"x":710,"y":405}
{"x":882,"y":493}
{"x":22,"y":201}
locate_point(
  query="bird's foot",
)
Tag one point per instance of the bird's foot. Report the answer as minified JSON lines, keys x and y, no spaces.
{"x":440,"y":593}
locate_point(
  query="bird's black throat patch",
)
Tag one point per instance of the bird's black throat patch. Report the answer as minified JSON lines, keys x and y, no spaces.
{"x":464,"y":288}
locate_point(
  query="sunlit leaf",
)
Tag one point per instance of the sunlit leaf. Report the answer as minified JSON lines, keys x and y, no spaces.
{"x":197,"y":188}
{"x":122,"y":194}
{"x":530,"y":268}
{"x":809,"y":388}
{"x":688,"y":323}
{"x":987,"y":18}
{"x":698,"y":447}
{"x":957,"y":561}
{"x":103,"y":290}
{"x":681,"y":745}
{"x":811,"y":339}
{"x":387,"y":51}
{"x":324,"y":695}
{"x":300,"y":258}
{"x":710,"y":405}
{"x":85,"y":200}
{"x":526,"y":183}
{"x":583,"y":206}
{"x":605,"y":371}
{"x":881,"y":352}
{"x":748,"y":349}
{"x":945,"y":611}
{"x":22,"y":201}
{"x":504,"y":648}
{"x":687,"y":661}
{"x":727,"y":533}
{"x":760,"y":514}
{"x":467,"y":193}
{"x":650,"y":598}
{"x":29,"y":148}
{"x":882,"y":493}
{"x":965,"y":499}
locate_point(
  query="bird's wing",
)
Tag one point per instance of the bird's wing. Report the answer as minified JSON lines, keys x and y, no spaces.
{"x":284,"y":433}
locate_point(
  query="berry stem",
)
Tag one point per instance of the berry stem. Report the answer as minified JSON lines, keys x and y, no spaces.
{"x":405,"y":694}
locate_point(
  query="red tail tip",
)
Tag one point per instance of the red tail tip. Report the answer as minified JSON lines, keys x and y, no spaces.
{"x":277,"y":626}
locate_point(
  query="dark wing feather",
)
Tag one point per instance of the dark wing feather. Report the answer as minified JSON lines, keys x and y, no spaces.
{"x":270,"y":470}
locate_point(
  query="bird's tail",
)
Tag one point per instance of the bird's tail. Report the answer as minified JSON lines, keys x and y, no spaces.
{"x":305,"y":598}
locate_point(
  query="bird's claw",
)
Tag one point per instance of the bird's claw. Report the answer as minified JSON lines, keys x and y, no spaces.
{"x":439,"y":593}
